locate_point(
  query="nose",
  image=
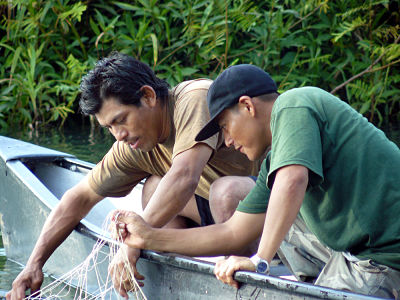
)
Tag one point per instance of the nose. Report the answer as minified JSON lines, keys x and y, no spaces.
{"x":228,"y":139}
{"x":119,"y":133}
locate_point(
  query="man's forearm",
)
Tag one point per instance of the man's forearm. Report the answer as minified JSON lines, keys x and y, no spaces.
{"x":204,"y":241}
{"x":60,"y":223}
{"x":170,"y":197}
{"x":284,"y":204}
{"x":219,"y":239}
{"x":177,"y":186}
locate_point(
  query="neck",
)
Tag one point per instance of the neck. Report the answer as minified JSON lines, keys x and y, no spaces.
{"x":265,"y":118}
{"x":165,"y":122}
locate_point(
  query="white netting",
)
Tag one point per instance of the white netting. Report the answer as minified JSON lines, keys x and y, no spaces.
{"x":74,"y":284}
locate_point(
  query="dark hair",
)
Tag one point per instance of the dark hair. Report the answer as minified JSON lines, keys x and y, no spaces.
{"x":119,"y":76}
{"x":268,"y":97}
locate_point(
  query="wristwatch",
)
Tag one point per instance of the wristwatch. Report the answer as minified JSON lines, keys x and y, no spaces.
{"x":262,"y":266}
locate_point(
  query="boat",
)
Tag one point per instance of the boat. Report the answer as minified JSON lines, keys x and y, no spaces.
{"x":32,"y":181}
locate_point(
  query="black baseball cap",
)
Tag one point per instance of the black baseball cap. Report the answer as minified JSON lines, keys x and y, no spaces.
{"x":228,"y":87}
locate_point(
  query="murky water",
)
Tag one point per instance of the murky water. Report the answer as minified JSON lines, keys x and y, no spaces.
{"x":89,"y":145}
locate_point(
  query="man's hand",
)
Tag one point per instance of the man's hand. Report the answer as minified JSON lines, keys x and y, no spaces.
{"x":224,"y":269}
{"x":130,"y":228}
{"x":29,"y":278}
{"x":121,"y":269}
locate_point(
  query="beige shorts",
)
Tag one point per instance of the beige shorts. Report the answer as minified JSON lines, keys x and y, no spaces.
{"x":311,"y":261}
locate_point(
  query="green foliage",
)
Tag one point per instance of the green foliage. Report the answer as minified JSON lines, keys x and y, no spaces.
{"x":348,"y":47}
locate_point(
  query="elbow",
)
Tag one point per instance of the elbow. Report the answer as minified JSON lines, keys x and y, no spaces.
{"x":77,"y":202}
{"x":300,"y":178}
{"x":192,"y":183}
{"x":186,"y":179}
{"x":295,"y":178}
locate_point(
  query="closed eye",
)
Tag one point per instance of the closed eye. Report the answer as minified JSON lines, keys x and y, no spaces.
{"x":121,"y":120}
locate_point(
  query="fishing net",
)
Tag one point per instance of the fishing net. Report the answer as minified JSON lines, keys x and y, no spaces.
{"x":74,"y":284}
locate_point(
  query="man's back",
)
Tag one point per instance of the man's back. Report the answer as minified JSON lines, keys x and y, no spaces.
{"x":353,"y":201}
{"x":122,"y":167}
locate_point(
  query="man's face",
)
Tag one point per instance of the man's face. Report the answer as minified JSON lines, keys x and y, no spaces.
{"x":136,"y":125}
{"x":242,"y":131}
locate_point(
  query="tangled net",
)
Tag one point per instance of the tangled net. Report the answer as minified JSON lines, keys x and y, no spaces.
{"x":74,"y":284}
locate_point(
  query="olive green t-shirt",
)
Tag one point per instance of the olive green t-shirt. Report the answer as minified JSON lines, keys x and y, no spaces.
{"x":122,"y":168}
{"x":352,"y":202}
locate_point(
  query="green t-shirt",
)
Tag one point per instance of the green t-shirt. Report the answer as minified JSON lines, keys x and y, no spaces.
{"x":352,"y":202}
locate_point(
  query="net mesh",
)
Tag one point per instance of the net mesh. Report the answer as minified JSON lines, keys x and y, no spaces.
{"x":74,"y":284}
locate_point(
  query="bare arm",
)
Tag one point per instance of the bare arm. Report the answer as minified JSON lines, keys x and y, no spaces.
{"x":74,"y":205}
{"x":285,"y":201}
{"x":284,"y":204}
{"x":225,"y":238}
{"x":177,"y":186}
{"x":170,"y":197}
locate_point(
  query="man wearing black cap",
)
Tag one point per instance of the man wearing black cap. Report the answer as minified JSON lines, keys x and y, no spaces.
{"x":327,"y":198}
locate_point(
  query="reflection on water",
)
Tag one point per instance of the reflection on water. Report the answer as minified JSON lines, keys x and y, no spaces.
{"x":90,"y":145}
{"x":77,"y":138}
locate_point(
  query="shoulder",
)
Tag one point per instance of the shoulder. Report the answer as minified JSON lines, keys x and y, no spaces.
{"x":307,"y":92}
{"x":184,"y":88}
{"x":304,"y":97}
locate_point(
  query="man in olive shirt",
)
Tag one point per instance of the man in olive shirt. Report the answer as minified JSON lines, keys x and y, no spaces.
{"x":155,"y":130}
{"x":327,"y":197}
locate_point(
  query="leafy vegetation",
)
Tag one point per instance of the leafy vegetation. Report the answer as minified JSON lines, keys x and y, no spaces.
{"x":350,"y":48}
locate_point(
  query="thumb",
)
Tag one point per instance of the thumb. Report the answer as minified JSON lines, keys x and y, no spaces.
{"x":128,"y":218}
{"x":35,"y":289}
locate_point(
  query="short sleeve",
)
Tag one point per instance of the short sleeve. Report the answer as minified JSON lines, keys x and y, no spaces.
{"x":257,"y":200}
{"x":296,"y":140}
{"x":117,"y":173}
{"x":191,"y":115}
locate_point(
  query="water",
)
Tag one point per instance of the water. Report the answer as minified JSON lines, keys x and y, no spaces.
{"x":90,"y":145}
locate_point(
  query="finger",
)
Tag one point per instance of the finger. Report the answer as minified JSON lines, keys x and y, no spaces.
{"x":224,"y":272}
{"x":138,"y":276}
{"x":120,"y":232}
{"x":118,"y":284}
{"x":119,"y":214}
{"x":128,"y":218}
{"x":35,"y":294}
{"x":231,"y":269}
{"x":129,"y":286}
{"x":221,"y":266}
{"x":115,"y":214}
{"x":19,"y":292}
{"x":122,"y":227}
{"x":121,"y":291}
{"x":129,"y":283}
{"x":136,"y":273}
{"x":218,"y":265}
{"x":116,"y":276}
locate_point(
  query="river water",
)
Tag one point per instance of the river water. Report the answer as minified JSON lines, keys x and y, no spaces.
{"x":89,"y":144}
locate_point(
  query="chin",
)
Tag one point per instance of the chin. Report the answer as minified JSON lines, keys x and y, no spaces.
{"x":147,"y":148}
{"x":255,"y":155}
{"x":250,"y":157}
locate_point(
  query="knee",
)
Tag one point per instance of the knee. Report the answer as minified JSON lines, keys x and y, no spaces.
{"x":149,"y":187}
{"x":225,"y":194}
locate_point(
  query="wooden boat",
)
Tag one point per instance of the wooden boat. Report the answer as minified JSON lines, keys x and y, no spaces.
{"x":33,"y":179}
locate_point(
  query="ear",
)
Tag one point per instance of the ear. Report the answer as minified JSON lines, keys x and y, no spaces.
{"x":149,"y":95}
{"x":246,"y":104}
